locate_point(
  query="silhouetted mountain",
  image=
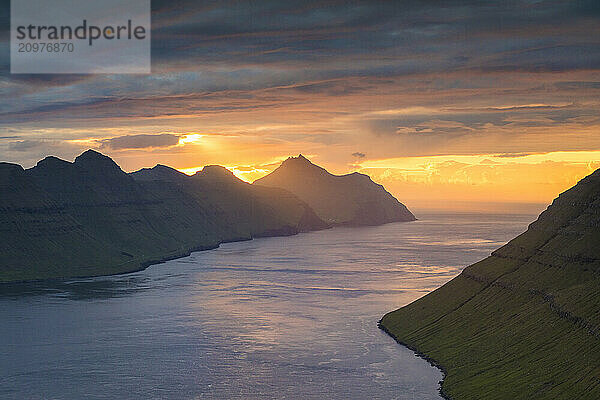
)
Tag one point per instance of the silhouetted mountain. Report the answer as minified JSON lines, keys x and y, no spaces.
{"x":249,"y":211}
{"x":352,"y":199}
{"x":88,"y":217}
{"x":524,"y":323}
{"x":158,"y":173}
{"x":142,"y":225}
{"x":217,"y":173}
{"x":63,"y":219}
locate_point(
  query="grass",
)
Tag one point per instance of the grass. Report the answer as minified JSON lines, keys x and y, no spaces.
{"x":523,"y":323}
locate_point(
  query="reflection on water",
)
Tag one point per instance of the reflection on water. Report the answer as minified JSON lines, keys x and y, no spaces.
{"x":292,"y":317}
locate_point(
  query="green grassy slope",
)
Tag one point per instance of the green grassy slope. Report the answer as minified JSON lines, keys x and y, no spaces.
{"x":523,"y":323}
{"x":352,"y":199}
{"x":38,"y":237}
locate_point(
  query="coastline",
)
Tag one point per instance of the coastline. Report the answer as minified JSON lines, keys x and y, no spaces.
{"x":144,"y":264}
{"x":430,"y":360}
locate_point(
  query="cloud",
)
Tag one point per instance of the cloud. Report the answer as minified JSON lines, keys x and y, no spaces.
{"x":26,"y":145}
{"x":28,"y":152}
{"x":514,"y":155}
{"x":50,"y":80}
{"x":268,"y":79}
{"x":574,"y":85}
{"x":359,"y":155}
{"x":140,"y":141}
{"x":537,"y":179}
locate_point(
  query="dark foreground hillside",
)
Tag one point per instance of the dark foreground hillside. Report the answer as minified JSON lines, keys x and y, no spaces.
{"x":525,"y":322}
{"x":86,"y":218}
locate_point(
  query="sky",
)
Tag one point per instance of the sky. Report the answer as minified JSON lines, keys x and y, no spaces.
{"x":448,"y":104}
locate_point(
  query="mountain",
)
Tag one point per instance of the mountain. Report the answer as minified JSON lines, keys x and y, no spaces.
{"x":158,"y":173}
{"x":272,"y":211}
{"x":247,"y":210}
{"x":86,"y":218}
{"x":352,"y":199}
{"x":140,"y":225}
{"x":523,"y":323}
{"x":38,"y":237}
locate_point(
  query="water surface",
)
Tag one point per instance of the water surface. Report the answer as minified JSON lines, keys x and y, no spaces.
{"x":278,"y":318}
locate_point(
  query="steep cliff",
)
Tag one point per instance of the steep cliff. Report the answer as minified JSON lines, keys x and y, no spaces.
{"x":39,"y":237}
{"x":525,"y":322}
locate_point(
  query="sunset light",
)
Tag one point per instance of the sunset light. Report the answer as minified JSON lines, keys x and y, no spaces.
{"x":300,"y":200}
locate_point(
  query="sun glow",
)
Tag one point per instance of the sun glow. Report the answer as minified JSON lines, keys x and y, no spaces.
{"x":190,"y":138}
{"x":437,"y":181}
{"x":190,"y":171}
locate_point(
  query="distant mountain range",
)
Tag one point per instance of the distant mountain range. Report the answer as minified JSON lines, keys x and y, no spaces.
{"x":87,"y":218}
{"x":525,"y":322}
{"x":352,"y":199}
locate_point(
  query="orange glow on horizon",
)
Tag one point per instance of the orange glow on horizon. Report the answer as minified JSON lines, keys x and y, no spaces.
{"x":459,"y":181}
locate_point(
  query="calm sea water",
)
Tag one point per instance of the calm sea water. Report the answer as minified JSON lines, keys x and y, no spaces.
{"x":277,"y":318}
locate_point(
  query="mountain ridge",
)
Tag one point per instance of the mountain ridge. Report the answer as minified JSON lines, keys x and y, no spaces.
{"x":88,"y":217}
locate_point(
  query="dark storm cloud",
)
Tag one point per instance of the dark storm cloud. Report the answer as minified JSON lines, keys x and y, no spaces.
{"x":139,"y":141}
{"x":284,"y":32}
{"x":458,"y":121}
{"x":367,"y":38}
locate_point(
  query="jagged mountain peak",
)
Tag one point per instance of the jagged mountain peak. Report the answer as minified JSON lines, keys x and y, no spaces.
{"x":91,"y":159}
{"x":158,"y":173}
{"x":53,"y":162}
{"x":300,"y":165}
{"x":298,"y":160}
{"x":352,"y":199}
{"x":216,"y":172}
